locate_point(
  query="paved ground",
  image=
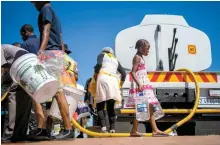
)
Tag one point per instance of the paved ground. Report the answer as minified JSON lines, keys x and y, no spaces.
{"x":177,"y":140}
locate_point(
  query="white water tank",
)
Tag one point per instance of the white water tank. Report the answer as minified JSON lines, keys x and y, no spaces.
{"x":193,"y":46}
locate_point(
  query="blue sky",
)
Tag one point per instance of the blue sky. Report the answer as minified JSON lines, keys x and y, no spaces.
{"x":90,"y":26}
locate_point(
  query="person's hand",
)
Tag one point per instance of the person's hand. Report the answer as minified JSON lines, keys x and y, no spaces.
{"x":140,"y":87}
{"x":39,"y":52}
{"x":121,"y":84}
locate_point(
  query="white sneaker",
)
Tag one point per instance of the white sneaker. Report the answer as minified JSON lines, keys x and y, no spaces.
{"x":8,"y":131}
{"x":112,"y":131}
{"x":104,"y":130}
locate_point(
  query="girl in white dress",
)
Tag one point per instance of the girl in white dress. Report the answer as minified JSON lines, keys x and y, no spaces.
{"x":141,"y":83}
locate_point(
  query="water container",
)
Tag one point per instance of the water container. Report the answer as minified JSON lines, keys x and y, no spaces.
{"x":83,"y":110}
{"x":34,"y":78}
{"x":56,"y":129}
{"x":158,"y":111}
{"x":142,"y":108}
{"x":73,"y":95}
{"x":173,"y":133}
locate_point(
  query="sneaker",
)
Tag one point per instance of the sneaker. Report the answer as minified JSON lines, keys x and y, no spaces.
{"x":104,"y":130}
{"x":112,"y":131}
{"x":6,"y":138}
{"x":80,"y":135}
{"x":7,"y":135}
{"x":64,"y":134}
{"x":8,"y":131}
{"x":39,"y":134}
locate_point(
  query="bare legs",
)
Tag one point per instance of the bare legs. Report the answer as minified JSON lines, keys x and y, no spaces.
{"x":39,"y":115}
{"x":64,"y":109}
{"x":155,"y":130}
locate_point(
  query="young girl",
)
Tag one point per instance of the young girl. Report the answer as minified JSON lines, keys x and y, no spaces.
{"x":141,"y":83}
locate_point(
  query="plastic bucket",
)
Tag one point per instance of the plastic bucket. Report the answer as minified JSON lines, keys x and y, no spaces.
{"x":73,"y":95}
{"x":83,"y":112}
{"x":33,"y":77}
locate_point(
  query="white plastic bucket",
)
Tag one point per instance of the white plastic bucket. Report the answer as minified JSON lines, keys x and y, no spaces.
{"x":73,"y":95}
{"x":33,"y":77}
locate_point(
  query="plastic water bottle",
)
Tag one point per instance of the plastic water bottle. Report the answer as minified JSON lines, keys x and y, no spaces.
{"x":56,"y":129}
{"x":83,"y":110}
{"x":173,"y":133}
{"x":158,"y":111}
{"x":142,"y":108}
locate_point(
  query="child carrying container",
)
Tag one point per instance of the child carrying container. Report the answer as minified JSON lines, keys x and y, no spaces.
{"x":141,"y":85}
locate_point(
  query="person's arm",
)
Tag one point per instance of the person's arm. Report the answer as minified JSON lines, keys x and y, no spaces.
{"x":4,"y":62}
{"x":99,"y":64}
{"x":47,"y":19}
{"x":45,"y":36}
{"x":136,"y":61}
{"x":121,"y":70}
{"x":3,"y":70}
